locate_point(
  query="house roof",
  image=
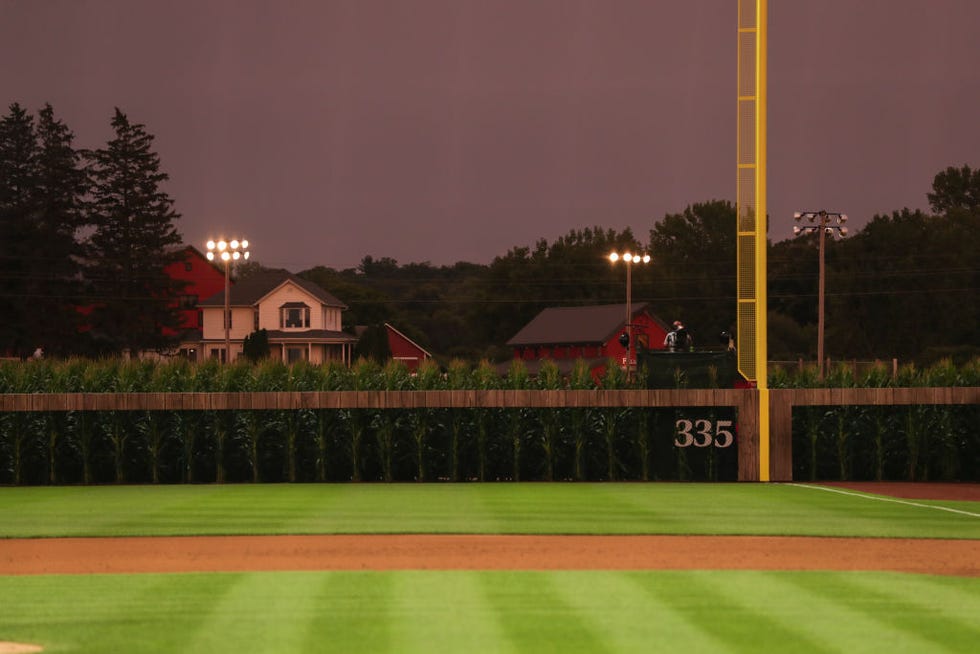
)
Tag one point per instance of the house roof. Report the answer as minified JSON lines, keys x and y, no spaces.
{"x":250,"y":290}
{"x":594,"y":324}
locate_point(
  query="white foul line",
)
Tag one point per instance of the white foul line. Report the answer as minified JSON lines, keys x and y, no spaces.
{"x":885,"y":499}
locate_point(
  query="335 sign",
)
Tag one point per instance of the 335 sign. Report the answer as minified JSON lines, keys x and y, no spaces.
{"x":704,"y":433}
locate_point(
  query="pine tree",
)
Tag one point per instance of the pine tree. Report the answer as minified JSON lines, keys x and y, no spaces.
{"x":61,"y":184}
{"x":17,"y":154}
{"x":134,"y":239}
{"x":41,"y":186}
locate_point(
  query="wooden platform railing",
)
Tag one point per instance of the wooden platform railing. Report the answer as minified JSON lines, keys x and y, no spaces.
{"x":782,"y":401}
{"x":745,"y":402}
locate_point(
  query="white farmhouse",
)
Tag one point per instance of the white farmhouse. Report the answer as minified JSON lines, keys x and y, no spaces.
{"x":302,"y":320}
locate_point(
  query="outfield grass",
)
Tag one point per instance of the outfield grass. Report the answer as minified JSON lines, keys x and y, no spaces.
{"x":479,"y":611}
{"x":486,"y":611}
{"x":758,"y":509}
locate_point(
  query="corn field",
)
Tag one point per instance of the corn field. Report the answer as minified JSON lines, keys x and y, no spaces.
{"x":886,"y":443}
{"x":445,"y":444}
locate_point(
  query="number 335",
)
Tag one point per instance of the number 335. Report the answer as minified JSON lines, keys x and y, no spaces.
{"x":703,"y":433}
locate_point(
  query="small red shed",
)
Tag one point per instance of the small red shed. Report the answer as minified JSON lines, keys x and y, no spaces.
{"x":405,"y":349}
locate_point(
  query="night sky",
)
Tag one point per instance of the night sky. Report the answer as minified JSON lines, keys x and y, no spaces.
{"x":453,"y":130}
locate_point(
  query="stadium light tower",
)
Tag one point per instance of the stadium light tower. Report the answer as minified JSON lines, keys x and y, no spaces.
{"x":227,"y":251}
{"x":824,"y":223}
{"x":629,"y":259}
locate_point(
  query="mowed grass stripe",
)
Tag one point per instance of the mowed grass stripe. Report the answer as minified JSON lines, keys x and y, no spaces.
{"x":955,"y":597}
{"x":261,"y":613}
{"x":443,"y":612}
{"x":472,"y":611}
{"x":109,"y":613}
{"x":630,"y":615}
{"x":535,"y":616}
{"x":225,"y":511}
{"x":738,"y":613}
{"x":355,"y":612}
{"x":916,"y":625}
{"x":626,"y":508}
{"x":546,"y":509}
{"x":934,"y":505}
{"x":406,"y":508}
{"x":823,"y":607}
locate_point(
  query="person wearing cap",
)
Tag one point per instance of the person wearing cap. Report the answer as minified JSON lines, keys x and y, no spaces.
{"x":678,"y":339}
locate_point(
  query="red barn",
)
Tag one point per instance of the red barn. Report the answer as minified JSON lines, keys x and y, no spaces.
{"x":204,"y":279}
{"x":564,"y":334}
{"x":405,"y":349}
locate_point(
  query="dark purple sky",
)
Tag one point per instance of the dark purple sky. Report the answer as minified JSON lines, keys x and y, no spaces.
{"x":448,"y":130}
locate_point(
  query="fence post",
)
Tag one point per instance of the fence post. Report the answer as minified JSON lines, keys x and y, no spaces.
{"x":781,"y":434}
{"x":748,"y":435}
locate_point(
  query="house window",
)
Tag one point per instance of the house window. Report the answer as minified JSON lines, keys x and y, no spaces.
{"x":218,"y":353}
{"x":294,"y":354}
{"x":187,"y":266}
{"x":294,"y":316}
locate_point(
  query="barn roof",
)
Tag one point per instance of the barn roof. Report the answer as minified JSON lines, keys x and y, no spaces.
{"x":594,"y":324}
{"x":391,"y":328}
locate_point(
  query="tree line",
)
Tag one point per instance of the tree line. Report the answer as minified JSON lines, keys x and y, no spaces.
{"x":94,"y":229}
{"x":85,"y":236}
{"x":905,"y":286}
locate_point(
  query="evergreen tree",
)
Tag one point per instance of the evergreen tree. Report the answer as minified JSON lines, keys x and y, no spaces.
{"x":17,"y":156}
{"x":255,"y":346}
{"x":373,"y":344}
{"x":134,"y":239}
{"x":61,"y":186}
{"x":40,"y":195}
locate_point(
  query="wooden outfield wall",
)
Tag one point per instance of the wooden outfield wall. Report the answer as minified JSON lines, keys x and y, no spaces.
{"x":782,"y":401}
{"x":745,"y":401}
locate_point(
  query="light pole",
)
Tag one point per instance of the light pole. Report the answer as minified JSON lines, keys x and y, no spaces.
{"x":630,"y":259}
{"x":227,"y":251}
{"x":822,"y":222}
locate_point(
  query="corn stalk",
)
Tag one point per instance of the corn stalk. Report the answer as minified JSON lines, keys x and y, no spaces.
{"x":549,"y":378}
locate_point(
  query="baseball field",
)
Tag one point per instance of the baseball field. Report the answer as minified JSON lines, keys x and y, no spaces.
{"x":490,"y":568}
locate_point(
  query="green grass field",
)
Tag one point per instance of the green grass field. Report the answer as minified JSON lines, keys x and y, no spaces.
{"x":487,"y":611}
{"x":535,"y":508}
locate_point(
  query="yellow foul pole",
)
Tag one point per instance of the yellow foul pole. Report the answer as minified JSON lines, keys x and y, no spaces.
{"x":751,"y":210}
